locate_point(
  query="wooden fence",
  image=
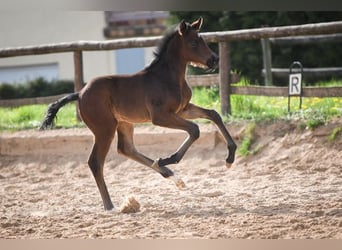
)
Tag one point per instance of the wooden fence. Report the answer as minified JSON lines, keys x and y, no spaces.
{"x":223,"y":38}
{"x":309,"y":73}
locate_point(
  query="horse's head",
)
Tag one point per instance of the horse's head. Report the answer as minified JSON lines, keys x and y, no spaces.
{"x":194,"y":49}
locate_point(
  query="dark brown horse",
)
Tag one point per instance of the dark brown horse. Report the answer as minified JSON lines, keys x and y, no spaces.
{"x":158,"y":94}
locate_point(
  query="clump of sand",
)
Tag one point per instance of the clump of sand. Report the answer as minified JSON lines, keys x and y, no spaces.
{"x":131,"y":205}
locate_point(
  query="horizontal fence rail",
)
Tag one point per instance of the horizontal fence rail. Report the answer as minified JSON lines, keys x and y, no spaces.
{"x":312,"y":72}
{"x":223,"y":79}
{"x":193,"y":81}
{"x":334,"y":38}
{"x":29,"y":101}
{"x":283,"y":91}
{"x":215,"y":37}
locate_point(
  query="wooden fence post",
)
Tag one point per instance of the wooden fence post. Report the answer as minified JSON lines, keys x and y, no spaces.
{"x":225,"y":66}
{"x":79,"y":81}
{"x":267,"y":59}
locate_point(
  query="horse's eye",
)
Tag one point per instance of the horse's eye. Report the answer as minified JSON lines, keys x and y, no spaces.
{"x":194,"y":43}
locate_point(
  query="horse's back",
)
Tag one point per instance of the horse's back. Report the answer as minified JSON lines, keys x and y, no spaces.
{"x":122,"y":95}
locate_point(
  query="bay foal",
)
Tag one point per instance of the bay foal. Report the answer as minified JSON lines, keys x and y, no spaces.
{"x":158,"y":94}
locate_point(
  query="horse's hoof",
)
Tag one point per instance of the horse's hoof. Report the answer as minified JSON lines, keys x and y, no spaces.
{"x":178,"y":181}
{"x":155,"y":165}
{"x":228,"y":165}
{"x":113,"y":210}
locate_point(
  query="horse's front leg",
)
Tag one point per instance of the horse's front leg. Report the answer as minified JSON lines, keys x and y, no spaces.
{"x":127,"y":148}
{"x":174,"y":121}
{"x":193,"y":112}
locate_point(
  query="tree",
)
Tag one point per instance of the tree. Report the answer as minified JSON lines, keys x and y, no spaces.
{"x":246,"y":56}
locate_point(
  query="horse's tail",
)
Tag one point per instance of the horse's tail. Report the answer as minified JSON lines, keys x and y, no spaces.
{"x":54,"y":107}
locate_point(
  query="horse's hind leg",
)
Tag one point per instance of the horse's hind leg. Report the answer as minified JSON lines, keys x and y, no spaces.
{"x":103,"y":126}
{"x":96,"y":163}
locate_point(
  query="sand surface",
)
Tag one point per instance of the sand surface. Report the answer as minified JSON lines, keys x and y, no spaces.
{"x":291,"y":188}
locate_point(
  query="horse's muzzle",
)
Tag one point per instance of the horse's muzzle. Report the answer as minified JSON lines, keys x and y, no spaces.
{"x":213,"y":62}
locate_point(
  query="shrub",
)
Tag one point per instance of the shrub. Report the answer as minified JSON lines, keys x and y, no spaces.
{"x":8,"y":91}
{"x":35,"y":88}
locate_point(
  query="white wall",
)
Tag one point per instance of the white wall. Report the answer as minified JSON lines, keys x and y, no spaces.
{"x":19,"y":28}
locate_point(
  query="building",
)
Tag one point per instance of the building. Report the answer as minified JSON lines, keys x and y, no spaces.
{"x":134,"y":24}
{"x":43,"y":27}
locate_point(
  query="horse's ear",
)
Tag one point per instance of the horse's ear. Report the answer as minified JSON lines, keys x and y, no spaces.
{"x":197,"y":24}
{"x":182,"y":28}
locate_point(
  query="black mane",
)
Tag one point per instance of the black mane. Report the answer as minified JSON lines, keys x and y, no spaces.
{"x":162,"y":47}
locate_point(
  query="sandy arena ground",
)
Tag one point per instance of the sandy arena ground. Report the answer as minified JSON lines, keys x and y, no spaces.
{"x":292,"y":188}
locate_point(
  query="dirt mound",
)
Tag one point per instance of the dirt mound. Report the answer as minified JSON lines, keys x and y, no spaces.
{"x":290,"y":188}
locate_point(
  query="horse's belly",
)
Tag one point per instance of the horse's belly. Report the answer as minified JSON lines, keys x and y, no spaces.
{"x":131,"y":114}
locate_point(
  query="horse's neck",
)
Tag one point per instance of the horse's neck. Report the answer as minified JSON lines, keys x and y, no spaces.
{"x":177,"y":69}
{"x":176,"y":63}
{"x":170,"y":65}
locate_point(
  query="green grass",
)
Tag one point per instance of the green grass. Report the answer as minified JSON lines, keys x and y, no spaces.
{"x":263,"y":107}
{"x":334,"y":134}
{"x":247,"y":141}
{"x":315,"y":111}
{"x":31,"y":116}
